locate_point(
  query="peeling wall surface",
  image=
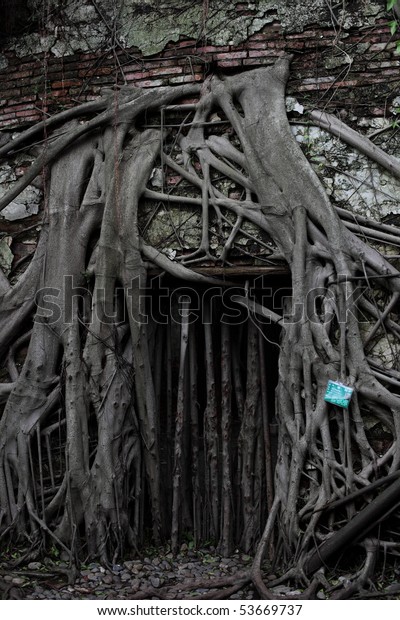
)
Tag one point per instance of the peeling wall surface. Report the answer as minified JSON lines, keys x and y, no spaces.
{"x":344,"y":61}
{"x":149,"y":25}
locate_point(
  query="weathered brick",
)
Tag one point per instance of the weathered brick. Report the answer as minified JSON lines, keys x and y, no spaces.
{"x":28,"y":114}
{"x":5,"y":117}
{"x":151,"y":63}
{"x":319,"y":80}
{"x":262,"y":54}
{"x":209,"y":49}
{"x":7,"y":124}
{"x":258,"y":61}
{"x":185,"y":43}
{"x":19,"y":100}
{"x":23,"y":80}
{"x":189,"y":67}
{"x":327,"y":85}
{"x":165,"y":71}
{"x":281,"y":44}
{"x":95,"y":71}
{"x":11,"y":92}
{"x":150,"y":83}
{"x":229,"y":55}
{"x":260,"y":36}
{"x":17,"y":108}
{"x":185,"y":79}
{"x":87,"y":56}
{"x":295,"y":45}
{"x":22,"y":74}
{"x":230,"y":63}
{"x":379,"y":47}
{"x":137,"y":75}
{"x":173,"y":180}
{"x":66,"y":83}
{"x":256,"y":45}
{"x":59,"y":93}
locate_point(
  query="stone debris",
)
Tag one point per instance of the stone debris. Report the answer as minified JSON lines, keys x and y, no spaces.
{"x":122,"y":581}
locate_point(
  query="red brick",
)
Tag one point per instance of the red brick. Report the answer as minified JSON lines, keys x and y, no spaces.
{"x":5,"y":123}
{"x":22,"y":74}
{"x":149,"y":83}
{"x":188,"y":67}
{"x":230,"y":63}
{"x":179,"y":52}
{"x":378,"y":47}
{"x":86,"y":56}
{"x":259,"y":54}
{"x":256,"y":45}
{"x":95,"y":71}
{"x":66,"y":83}
{"x":257,"y":37}
{"x":266,"y":54}
{"x":326,"y":86}
{"x":295,"y":45}
{"x":28,"y":66}
{"x":9,"y":84}
{"x":209,"y":49}
{"x":185,"y":43}
{"x":230,"y":55}
{"x":133,"y":67}
{"x":17,"y":108}
{"x":307,"y":34}
{"x":109,"y":80}
{"x":58,"y":93}
{"x":346,"y":83}
{"x":137,"y":75}
{"x":22,"y":99}
{"x":165,"y":71}
{"x":28,"y":113}
{"x":151,"y":63}
{"x":173,"y":180}
{"x":12,"y":92}
{"x":185,"y":79}
{"x":267,"y":60}
{"x":7,"y":116}
{"x":276,"y":44}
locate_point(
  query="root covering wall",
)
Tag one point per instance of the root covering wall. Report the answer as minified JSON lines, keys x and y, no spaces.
{"x":343,"y":59}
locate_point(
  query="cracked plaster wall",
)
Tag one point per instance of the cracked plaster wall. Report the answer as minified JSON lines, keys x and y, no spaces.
{"x":65,"y":28}
{"x":149,"y":25}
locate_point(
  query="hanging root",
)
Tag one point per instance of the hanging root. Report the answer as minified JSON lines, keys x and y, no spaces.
{"x":101,"y":449}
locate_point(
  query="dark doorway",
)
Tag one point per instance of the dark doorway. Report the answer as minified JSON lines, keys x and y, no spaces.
{"x":215,"y":367}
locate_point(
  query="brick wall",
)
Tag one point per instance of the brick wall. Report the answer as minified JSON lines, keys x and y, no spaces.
{"x":359,"y":73}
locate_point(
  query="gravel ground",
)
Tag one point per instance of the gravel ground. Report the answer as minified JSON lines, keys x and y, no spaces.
{"x":122,"y":581}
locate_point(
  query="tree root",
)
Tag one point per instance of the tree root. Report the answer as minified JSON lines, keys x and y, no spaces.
{"x":83,"y":461}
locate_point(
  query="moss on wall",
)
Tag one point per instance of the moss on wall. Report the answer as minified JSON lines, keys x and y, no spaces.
{"x":149,"y":25}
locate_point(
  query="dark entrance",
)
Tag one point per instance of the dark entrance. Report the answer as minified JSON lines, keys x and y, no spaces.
{"x":215,"y":368}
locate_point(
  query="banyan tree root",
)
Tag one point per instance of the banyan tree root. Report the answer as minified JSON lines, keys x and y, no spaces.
{"x":100,"y":447}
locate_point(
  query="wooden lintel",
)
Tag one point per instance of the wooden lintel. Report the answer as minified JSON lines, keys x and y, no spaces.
{"x":244,"y":270}
{"x":236,"y":270}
